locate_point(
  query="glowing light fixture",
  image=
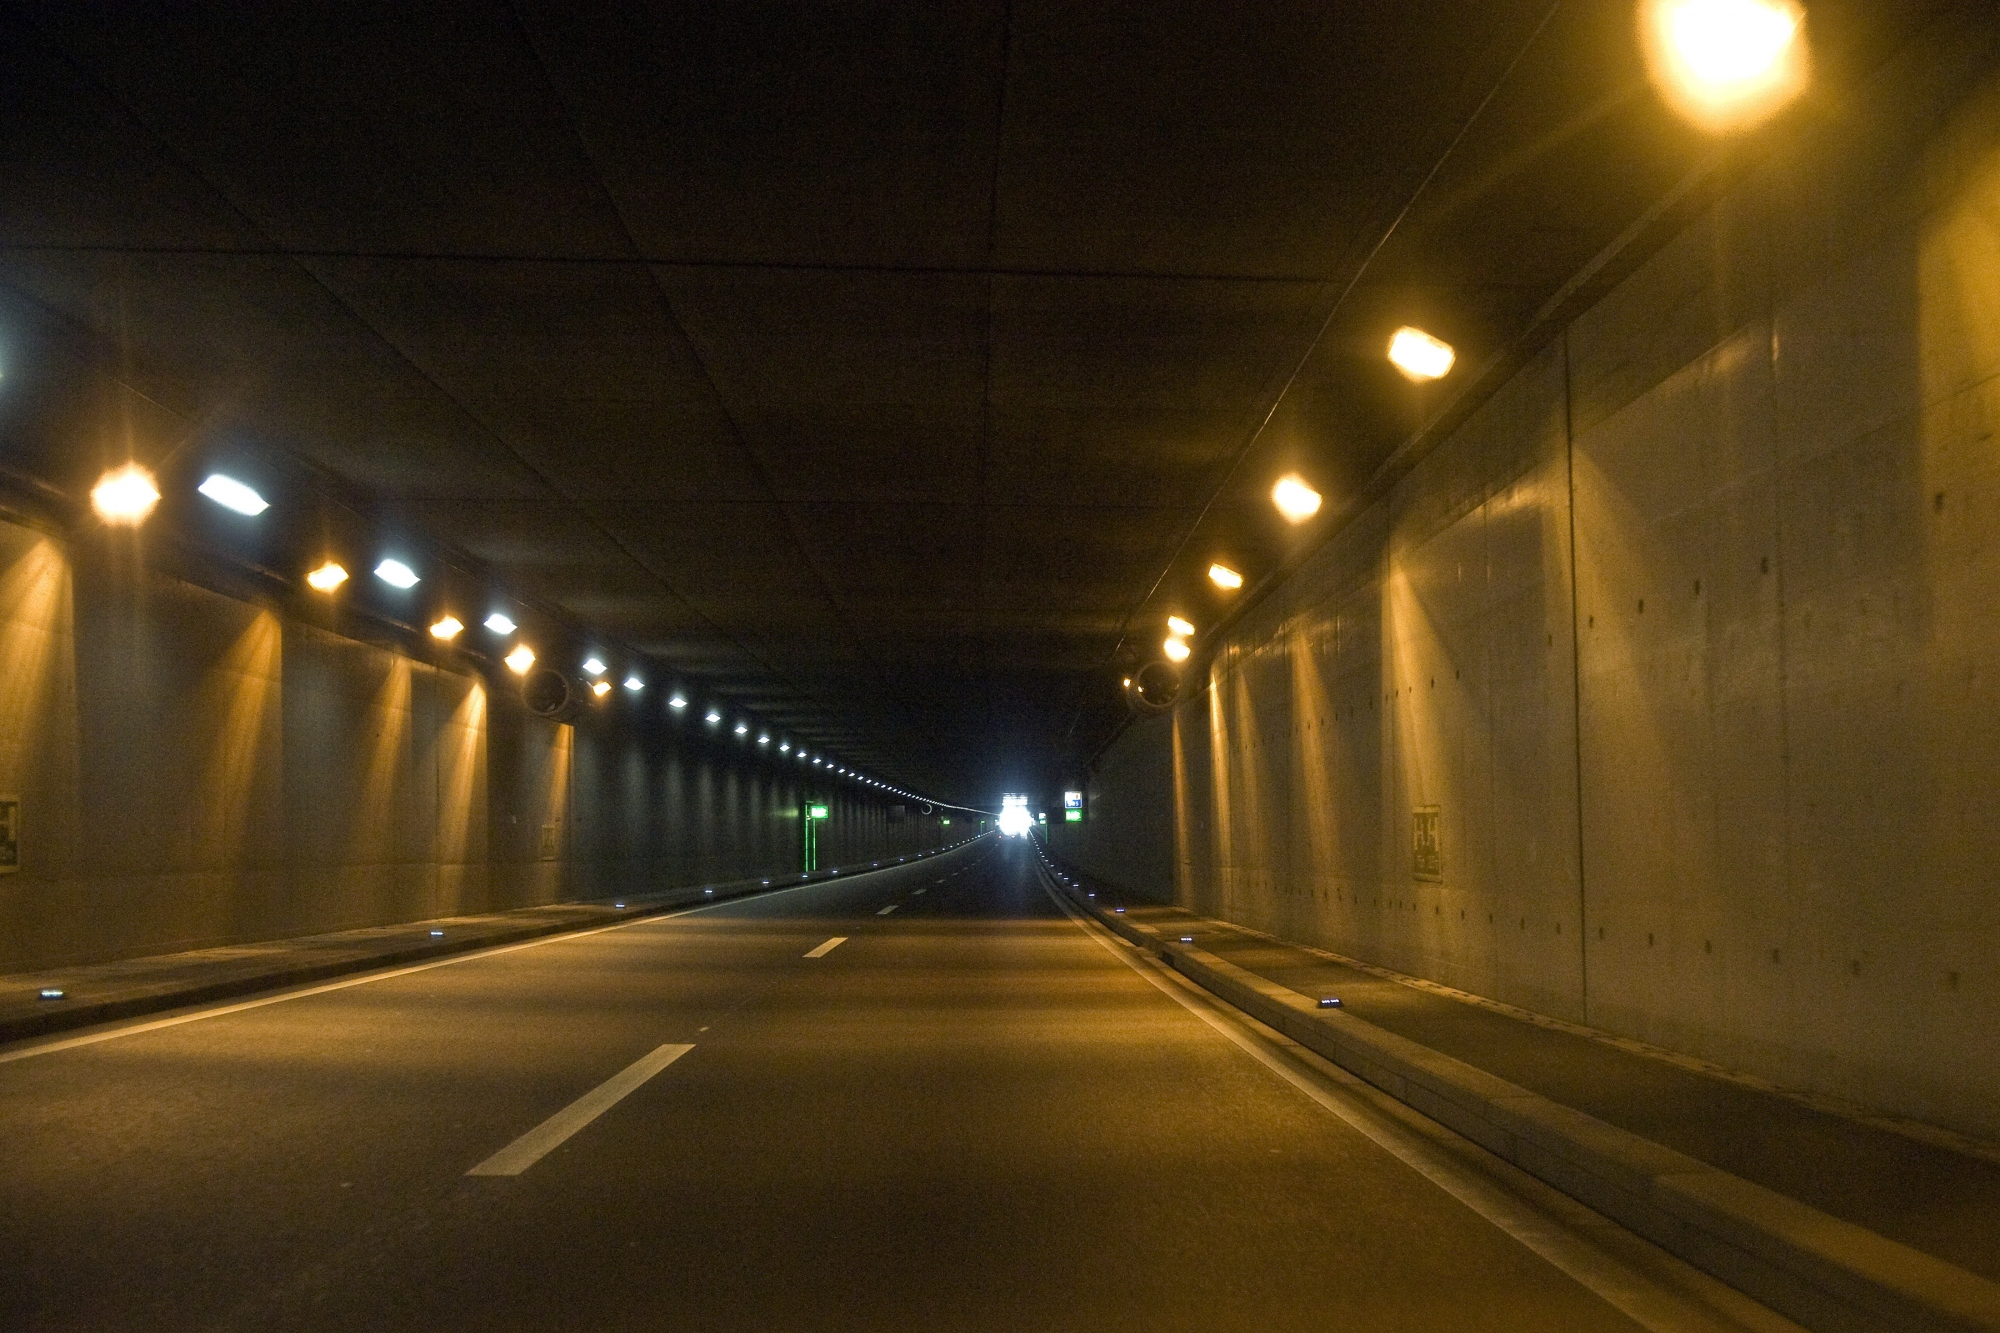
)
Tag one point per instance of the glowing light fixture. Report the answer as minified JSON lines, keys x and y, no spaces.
{"x":763,"y":740}
{"x":714,"y":717}
{"x":742,"y":729}
{"x":499,"y":624}
{"x":520,"y":659}
{"x":446,"y":628}
{"x":1178,"y":626}
{"x":1295,"y":500}
{"x":592,"y":667}
{"x":1420,"y":356}
{"x":1724,"y":64}
{"x":125,"y":495}
{"x":326,"y":578}
{"x":233,"y":494}
{"x":1015,"y":821}
{"x":1175,"y":649}
{"x":784,"y":747}
{"x":634,"y":684}
{"x":677,"y":702}
{"x":1222,"y":576}
{"x":601,"y":688}
{"x":397,"y":574}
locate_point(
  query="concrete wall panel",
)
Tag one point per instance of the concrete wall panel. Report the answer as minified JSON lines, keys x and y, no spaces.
{"x":1727,"y":775}
{"x":194,"y":770}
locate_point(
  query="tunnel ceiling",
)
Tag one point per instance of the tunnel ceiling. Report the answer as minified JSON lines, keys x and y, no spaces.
{"x":891,"y":369}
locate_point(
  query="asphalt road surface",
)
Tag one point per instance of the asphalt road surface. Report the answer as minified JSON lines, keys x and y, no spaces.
{"x":972,"y":1112}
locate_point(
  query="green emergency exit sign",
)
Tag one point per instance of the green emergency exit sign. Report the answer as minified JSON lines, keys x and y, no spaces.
{"x":816,"y":812}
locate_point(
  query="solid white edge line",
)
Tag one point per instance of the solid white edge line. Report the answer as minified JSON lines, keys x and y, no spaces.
{"x":1620,"y":1286}
{"x":546,"y":1137}
{"x":827,"y":948}
{"x":366,"y":978}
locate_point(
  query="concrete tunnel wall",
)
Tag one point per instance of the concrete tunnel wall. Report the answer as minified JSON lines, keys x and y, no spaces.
{"x":195,"y":770}
{"x":1690,"y":640}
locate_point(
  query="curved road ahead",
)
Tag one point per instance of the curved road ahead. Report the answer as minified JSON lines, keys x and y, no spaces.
{"x":971,"y":1113}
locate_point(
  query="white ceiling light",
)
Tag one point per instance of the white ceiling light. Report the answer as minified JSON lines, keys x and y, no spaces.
{"x":397,"y":574}
{"x":233,"y":494}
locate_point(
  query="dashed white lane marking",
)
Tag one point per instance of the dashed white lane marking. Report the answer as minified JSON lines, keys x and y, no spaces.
{"x":544,"y":1138}
{"x":827,"y":948}
{"x":890,"y":908}
{"x":919,"y":893}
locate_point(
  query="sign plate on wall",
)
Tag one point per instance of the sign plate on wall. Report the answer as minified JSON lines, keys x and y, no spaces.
{"x":1426,"y":844}
{"x":10,"y":834}
{"x":1072,"y":800}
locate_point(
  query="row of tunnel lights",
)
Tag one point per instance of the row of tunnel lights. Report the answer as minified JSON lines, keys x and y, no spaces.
{"x":126,"y":496}
{"x":1722,"y":64}
{"x":1421,"y":358}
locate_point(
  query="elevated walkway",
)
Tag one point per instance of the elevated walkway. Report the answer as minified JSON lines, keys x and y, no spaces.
{"x":52,"y":1000}
{"x":1655,"y":1130}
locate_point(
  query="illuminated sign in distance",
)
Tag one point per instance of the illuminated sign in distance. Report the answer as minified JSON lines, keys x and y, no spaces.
{"x":1072,"y":800}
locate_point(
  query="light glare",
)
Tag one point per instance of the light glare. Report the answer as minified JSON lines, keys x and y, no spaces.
{"x":521,"y":659}
{"x":1725,"y":64}
{"x":397,"y":574}
{"x":1420,"y":356}
{"x":499,"y":624}
{"x":592,"y":667}
{"x":601,"y":688}
{"x":1015,"y":821}
{"x":125,"y":495}
{"x":634,"y":684}
{"x":1295,"y":500}
{"x":447,"y":628}
{"x":1224,"y":577}
{"x":327,"y":577}
{"x":677,"y":702}
{"x":1175,"y":649}
{"x":233,"y":494}
{"x":1179,"y":626}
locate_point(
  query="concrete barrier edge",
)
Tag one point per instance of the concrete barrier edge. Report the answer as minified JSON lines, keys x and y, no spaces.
{"x":1825,"y":1273}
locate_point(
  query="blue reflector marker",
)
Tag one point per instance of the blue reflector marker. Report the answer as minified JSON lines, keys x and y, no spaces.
{"x":51,"y":993}
{"x":436,"y":933}
{"x":1329,"y":1002}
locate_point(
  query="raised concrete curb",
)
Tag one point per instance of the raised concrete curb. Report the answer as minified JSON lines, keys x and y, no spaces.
{"x":1826,"y":1274}
{"x":106,"y":992}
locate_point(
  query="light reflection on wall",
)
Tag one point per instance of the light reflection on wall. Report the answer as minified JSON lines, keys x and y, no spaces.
{"x":240,"y":693}
{"x":461,"y":791}
{"x":38,"y":761}
{"x":382,"y":813}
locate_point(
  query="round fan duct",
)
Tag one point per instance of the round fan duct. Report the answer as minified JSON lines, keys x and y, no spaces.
{"x":545,"y":691}
{"x":1156,"y":687}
